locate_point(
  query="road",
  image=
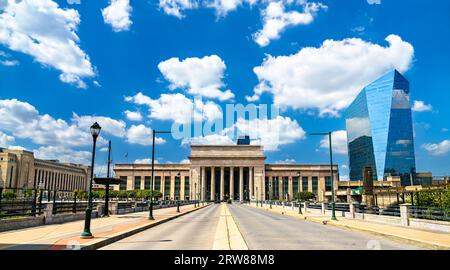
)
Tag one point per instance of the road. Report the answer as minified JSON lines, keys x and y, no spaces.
{"x":260,"y":229}
{"x":263,"y":230}
{"x":193,"y":231}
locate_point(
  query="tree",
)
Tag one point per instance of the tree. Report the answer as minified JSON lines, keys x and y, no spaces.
{"x":304,"y":196}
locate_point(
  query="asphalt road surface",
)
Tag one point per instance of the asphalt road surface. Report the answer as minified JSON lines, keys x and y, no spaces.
{"x":263,"y":230}
{"x":192,"y":231}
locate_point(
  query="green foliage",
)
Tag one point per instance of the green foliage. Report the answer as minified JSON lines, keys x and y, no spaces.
{"x":100,"y":194}
{"x":121,"y":194}
{"x":9,"y":195}
{"x":81,"y":194}
{"x":304,"y":196}
{"x":440,"y":199}
{"x":28,"y":193}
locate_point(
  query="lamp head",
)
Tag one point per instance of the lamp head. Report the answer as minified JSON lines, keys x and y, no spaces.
{"x":95,"y":130}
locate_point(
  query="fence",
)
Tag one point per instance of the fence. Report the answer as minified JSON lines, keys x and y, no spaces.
{"x":431,"y":213}
{"x":20,"y":202}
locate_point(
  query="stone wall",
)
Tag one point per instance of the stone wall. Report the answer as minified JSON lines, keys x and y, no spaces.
{"x":20,"y":223}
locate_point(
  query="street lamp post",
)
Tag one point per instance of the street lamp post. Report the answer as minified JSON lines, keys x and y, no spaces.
{"x":333,"y":212}
{"x":150,"y":213}
{"x":95,"y":131}
{"x":257,"y":197}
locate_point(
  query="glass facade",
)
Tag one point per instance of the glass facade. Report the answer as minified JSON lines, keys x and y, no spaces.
{"x":379,"y":130}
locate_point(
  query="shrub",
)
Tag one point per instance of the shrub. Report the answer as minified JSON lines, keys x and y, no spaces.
{"x":304,"y":196}
{"x":9,"y":195}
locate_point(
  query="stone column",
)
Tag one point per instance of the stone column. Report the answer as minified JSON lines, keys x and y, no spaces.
{"x":172,"y":187}
{"x":404,"y":214}
{"x":203,"y":187}
{"x":352,"y":210}
{"x":213,"y":183}
{"x":241,"y":183}
{"x":182,"y":183}
{"x":222,"y":183}
{"x":250,"y":182}
{"x":232,"y":183}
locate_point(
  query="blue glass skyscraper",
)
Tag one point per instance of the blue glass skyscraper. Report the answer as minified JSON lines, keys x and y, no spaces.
{"x":380,"y":130}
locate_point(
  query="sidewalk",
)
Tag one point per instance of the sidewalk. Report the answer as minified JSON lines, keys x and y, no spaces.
{"x":105,"y":231}
{"x":432,"y":240}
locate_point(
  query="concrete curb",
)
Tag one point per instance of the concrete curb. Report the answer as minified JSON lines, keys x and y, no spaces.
{"x":399,"y":237}
{"x":336,"y":224}
{"x":126,"y":234}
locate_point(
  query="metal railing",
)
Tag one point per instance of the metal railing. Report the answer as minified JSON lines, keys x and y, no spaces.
{"x":431,"y":213}
{"x":376,"y":210}
{"x":20,"y":202}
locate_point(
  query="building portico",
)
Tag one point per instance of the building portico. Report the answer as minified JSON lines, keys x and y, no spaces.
{"x":227,"y":171}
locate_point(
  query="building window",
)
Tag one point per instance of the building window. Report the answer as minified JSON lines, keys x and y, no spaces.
{"x":315,"y":183}
{"x":187,"y":186}
{"x":147,"y":182}
{"x":285,"y":187}
{"x":327,"y":183}
{"x":123,"y":183}
{"x":276,"y":191}
{"x":295,"y":181}
{"x":137,"y":182}
{"x":167,"y":186}
{"x":157,"y":183}
{"x":177,"y":185}
{"x":267,"y":185}
{"x":304,"y":183}
{"x":11,"y":176}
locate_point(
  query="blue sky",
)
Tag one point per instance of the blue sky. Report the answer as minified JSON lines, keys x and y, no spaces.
{"x":131,"y":65}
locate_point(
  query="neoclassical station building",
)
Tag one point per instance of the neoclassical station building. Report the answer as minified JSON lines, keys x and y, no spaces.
{"x":19,"y":169}
{"x":220,"y":172}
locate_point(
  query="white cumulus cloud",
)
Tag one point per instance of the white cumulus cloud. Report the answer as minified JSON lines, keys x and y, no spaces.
{"x":142,"y":135}
{"x":145,"y":161}
{"x":178,"y":108}
{"x":276,"y":19}
{"x":374,"y":2}
{"x":175,"y":7}
{"x":133,"y":116}
{"x":420,"y":106}
{"x":46,"y":32}
{"x":328,"y":78}
{"x":6,"y":140}
{"x":437,"y":149}
{"x":117,"y":14}
{"x":199,"y":76}
{"x":338,"y":142}
{"x":63,"y":154}
{"x":109,"y":125}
